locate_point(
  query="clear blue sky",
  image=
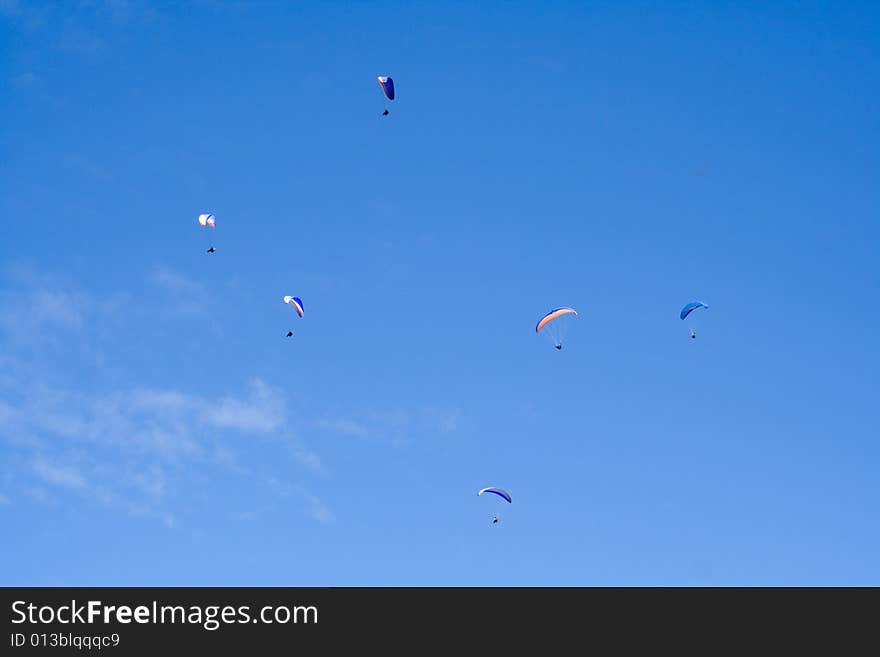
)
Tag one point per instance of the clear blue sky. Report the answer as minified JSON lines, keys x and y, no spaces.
{"x":157,"y":428}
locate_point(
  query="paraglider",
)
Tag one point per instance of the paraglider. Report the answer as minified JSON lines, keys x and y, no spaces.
{"x":207,"y":221}
{"x":295,"y":303}
{"x":555,"y":324}
{"x":503,"y":494}
{"x":387,"y":85}
{"x":687,"y":310}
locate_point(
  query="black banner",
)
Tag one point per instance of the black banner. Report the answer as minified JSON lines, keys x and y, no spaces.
{"x":129,"y":621}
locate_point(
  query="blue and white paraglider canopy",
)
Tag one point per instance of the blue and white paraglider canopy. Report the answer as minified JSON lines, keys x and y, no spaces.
{"x":691,"y":307}
{"x":387,"y":85}
{"x":297,"y":304}
{"x":497,"y":491}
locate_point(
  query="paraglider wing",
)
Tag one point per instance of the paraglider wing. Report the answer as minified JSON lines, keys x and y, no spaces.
{"x":691,"y":307}
{"x":387,"y":85}
{"x":296,"y":302}
{"x":553,"y":314}
{"x":497,"y":491}
{"x":206,"y":220}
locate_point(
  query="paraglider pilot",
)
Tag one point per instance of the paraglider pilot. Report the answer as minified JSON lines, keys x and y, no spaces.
{"x":495,"y":520}
{"x":211,"y":250}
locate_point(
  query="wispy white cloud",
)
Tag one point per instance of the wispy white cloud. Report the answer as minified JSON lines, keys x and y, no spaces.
{"x":131,"y":449}
{"x":38,"y":304}
{"x":155,"y":420}
{"x":175,"y":282}
{"x":51,"y":313}
{"x":58,"y":475}
{"x":307,"y":457}
{"x":184,"y":296}
{"x":151,"y":480}
{"x":262,"y":411}
{"x":344,"y":426}
{"x":134,"y":448}
{"x":317,"y":509}
{"x":445,"y":421}
{"x":314,"y":506}
{"x":395,"y":426}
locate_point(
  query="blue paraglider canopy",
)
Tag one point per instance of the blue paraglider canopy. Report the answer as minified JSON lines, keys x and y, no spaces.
{"x":691,"y":307}
{"x":387,"y":85}
{"x":497,"y":491}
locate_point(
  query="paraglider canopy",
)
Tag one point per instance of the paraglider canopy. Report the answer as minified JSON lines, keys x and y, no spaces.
{"x":296,"y":302}
{"x":206,"y":220}
{"x":554,"y":314}
{"x":387,"y":85}
{"x":497,"y":491}
{"x":691,"y":307}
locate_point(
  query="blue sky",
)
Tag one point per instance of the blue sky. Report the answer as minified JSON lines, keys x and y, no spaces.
{"x":157,"y":428}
